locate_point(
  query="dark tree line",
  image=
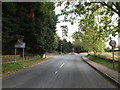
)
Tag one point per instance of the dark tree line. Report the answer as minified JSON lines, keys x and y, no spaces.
{"x":64,"y":46}
{"x":35,"y":23}
{"x":67,"y":47}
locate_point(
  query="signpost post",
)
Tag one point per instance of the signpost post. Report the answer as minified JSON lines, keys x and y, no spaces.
{"x":113,"y":44}
{"x":15,"y":54}
{"x":19,"y":44}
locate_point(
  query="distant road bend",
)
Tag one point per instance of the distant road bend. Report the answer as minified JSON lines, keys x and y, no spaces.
{"x":63,"y":72}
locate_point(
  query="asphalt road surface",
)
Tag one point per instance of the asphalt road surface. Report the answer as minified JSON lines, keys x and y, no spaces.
{"x":63,"y":72}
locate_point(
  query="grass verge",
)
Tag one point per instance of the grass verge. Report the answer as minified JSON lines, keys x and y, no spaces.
{"x":107,"y":55}
{"x":103,"y":62}
{"x":11,"y":68}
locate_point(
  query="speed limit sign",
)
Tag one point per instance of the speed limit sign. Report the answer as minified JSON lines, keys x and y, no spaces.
{"x":112,"y":43}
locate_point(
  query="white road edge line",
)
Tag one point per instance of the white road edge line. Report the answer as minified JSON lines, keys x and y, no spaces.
{"x":56,"y":72}
{"x":62,"y":65}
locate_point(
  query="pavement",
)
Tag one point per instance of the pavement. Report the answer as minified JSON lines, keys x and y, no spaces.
{"x":69,"y":71}
{"x":112,"y":74}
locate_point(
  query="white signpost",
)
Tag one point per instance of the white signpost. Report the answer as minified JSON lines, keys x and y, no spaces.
{"x":113,"y":44}
{"x":19,"y":44}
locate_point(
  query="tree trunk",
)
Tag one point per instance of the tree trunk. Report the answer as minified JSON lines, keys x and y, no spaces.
{"x":41,"y":55}
{"x":95,"y":52}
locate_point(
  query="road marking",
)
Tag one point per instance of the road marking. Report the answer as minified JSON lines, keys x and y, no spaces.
{"x":56,"y":72}
{"x":62,"y":65}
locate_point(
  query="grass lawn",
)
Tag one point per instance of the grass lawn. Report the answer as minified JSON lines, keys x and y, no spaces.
{"x":103,"y":62}
{"x":10,"y":68}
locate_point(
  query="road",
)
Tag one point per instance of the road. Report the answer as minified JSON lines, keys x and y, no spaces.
{"x":63,"y":72}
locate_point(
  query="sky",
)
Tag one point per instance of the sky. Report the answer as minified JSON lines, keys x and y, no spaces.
{"x":71,"y":28}
{"x":74,"y":27}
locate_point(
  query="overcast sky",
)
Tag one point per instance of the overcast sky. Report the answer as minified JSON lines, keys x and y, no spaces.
{"x":74,"y":27}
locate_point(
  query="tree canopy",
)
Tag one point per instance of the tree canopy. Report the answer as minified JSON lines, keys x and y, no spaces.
{"x":95,"y":22}
{"x":35,"y":22}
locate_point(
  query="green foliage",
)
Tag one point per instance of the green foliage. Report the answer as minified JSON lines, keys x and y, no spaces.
{"x":103,"y":62}
{"x":81,"y":8}
{"x":56,"y":41}
{"x":64,"y":46}
{"x":64,"y":31}
{"x":108,"y":49}
{"x":95,"y":24}
{"x":118,"y":47}
{"x":90,"y":36}
{"x":38,"y":31}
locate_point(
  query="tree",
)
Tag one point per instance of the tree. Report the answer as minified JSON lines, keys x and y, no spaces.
{"x":56,"y":41}
{"x":90,"y":36}
{"x":66,"y":46}
{"x":79,"y":9}
{"x":95,"y":23}
{"x":111,"y":8}
{"x":114,"y":6}
{"x":64,"y":31}
{"x":36,"y":22}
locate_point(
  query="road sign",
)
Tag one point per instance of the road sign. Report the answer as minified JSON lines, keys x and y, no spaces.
{"x":20,"y":45}
{"x":112,"y":43}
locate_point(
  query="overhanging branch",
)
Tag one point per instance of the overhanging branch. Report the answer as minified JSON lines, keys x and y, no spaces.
{"x":104,"y":4}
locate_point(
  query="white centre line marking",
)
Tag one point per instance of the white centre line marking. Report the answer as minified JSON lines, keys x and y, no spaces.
{"x":62,"y":65}
{"x":56,"y":72}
